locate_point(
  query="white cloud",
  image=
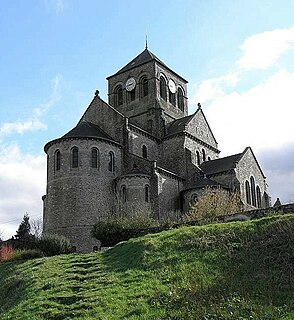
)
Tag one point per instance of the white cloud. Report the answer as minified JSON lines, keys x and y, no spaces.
{"x":261,"y":116}
{"x":22,"y":184}
{"x":21,"y":127}
{"x":211,"y":89}
{"x":262,"y":50}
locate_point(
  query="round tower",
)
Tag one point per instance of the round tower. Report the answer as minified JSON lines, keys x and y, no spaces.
{"x":81,"y":167}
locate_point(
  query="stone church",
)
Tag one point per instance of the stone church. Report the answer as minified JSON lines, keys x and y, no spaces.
{"x":140,"y":152}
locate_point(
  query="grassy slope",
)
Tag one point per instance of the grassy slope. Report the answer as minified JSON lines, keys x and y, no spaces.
{"x":225,"y":271}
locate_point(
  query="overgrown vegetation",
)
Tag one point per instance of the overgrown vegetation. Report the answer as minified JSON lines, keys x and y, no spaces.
{"x":212,"y":204}
{"x":233,"y":271}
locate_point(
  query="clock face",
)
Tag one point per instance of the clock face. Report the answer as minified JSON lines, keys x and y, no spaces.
{"x":130,"y":84}
{"x":172,"y":86}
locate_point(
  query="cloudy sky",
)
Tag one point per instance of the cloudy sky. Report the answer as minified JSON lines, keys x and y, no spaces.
{"x":237,"y":56}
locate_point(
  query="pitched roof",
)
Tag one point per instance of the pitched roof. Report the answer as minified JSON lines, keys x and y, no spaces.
{"x":142,"y":58}
{"x":178,"y":125}
{"x":221,"y":164}
{"x":85,"y":129}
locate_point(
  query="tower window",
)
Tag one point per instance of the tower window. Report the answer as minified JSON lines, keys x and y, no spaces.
{"x":118,"y":96}
{"x":94,"y":158}
{"x":253,"y":193}
{"x":111,"y":164}
{"x":57,"y":161}
{"x":172,"y":98}
{"x":132,"y":95}
{"x":144,"y":87}
{"x":147,"y":193}
{"x":75,"y":157}
{"x":163,"y":88}
{"x":180,"y":99}
{"x":144,"y":151}
{"x":248,"y":195}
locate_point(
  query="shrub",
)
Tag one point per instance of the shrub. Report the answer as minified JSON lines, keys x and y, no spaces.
{"x":213,"y":204}
{"x":116,"y":229}
{"x":6,"y":252}
{"x":27,"y":254}
{"x":52,"y":244}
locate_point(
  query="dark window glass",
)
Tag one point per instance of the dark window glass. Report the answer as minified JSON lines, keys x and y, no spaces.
{"x":147,"y":195}
{"x":203,"y":154}
{"x":144,"y":87}
{"x":111,"y":164}
{"x":258,"y":196}
{"x":124,"y":194}
{"x":248,"y":195}
{"x":57,"y":160}
{"x":94,"y":158}
{"x":198,"y":157}
{"x":253,"y":193}
{"x":118,"y":96}
{"x":180,"y":99}
{"x":144,"y":151}
{"x":75,"y":158}
{"x":162,"y":88}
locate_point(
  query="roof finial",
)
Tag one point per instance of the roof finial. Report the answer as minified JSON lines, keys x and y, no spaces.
{"x":146,"y":39}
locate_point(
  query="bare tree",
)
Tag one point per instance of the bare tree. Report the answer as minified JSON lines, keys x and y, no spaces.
{"x":37,"y":228}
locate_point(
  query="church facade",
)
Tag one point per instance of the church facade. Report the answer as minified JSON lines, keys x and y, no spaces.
{"x":142,"y":153}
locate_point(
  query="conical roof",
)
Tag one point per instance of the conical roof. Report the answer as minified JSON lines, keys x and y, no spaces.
{"x":85,"y":129}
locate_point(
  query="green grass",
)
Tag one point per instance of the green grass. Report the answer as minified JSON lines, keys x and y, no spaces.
{"x":231,"y":271}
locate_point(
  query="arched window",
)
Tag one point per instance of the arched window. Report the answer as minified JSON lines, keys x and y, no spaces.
{"x":248,"y":195}
{"x":180,"y":99}
{"x":163,"y":88}
{"x":57,"y":160}
{"x":203,"y":155}
{"x":143,"y":87}
{"x":118,"y":96}
{"x":74,"y":157}
{"x":111,"y":164}
{"x":198,"y":158}
{"x":258,"y":196}
{"x":94,"y":158}
{"x":123,"y":191}
{"x":144,"y":151}
{"x":147,"y":193}
{"x":132,"y":95}
{"x":253,"y":193}
{"x":95,"y":248}
{"x":172,"y":98}
{"x":208,"y":158}
{"x":194,"y":199}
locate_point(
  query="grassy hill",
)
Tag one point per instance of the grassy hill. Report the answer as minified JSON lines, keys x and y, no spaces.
{"x":223,"y":271}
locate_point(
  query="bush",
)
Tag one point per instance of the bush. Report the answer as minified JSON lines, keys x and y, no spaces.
{"x":52,"y":244}
{"x":6,"y":252}
{"x":213,"y":204}
{"x":113,"y":230}
{"x":26,"y":254}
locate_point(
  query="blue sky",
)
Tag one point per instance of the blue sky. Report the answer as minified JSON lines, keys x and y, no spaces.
{"x":236,"y":55}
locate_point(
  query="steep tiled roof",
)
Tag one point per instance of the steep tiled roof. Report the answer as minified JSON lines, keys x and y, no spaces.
{"x":221,"y":165}
{"x":142,"y":58}
{"x":178,"y":125}
{"x":85,"y":129}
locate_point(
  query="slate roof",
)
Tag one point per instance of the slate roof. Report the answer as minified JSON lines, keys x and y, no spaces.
{"x":142,"y":58}
{"x":221,"y":165}
{"x":178,"y":125}
{"x":206,"y":182}
{"x":85,"y":129}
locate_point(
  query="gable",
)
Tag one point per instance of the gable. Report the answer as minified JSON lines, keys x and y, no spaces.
{"x":199,"y":127}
